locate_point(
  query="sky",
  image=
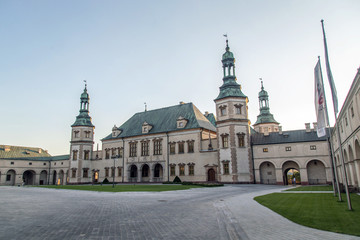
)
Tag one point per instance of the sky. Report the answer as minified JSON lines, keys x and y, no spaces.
{"x":162,"y":52}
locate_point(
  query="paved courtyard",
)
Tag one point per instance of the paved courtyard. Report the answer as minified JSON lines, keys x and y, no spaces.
{"x":206,"y":213}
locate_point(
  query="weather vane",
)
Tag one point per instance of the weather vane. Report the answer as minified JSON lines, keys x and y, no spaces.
{"x":145,"y":106}
{"x":85,"y":83}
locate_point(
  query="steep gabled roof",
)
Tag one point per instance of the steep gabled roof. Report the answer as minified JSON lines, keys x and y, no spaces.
{"x":164,"y":120}
{"x":286,"y":137}
{"x":211,"y":117}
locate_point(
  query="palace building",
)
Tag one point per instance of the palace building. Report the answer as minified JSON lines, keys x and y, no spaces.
{"x":158,"y":145}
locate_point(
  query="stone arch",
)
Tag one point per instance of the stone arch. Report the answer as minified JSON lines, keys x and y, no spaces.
{"x":316,"y":172}
{"x":295,"y":170}
{"x":357,"y":149}
{"x":133,"y":173}
{"x":43,"y":177}
{"x":60,"y":180}
{"x":54,"y":178}
{"x":29,"y":177}
{"x":145,"y":173}
{"x":211,"y":176}
{"x":267,"y":173}
{"x":10,"y":177}
{"x":158,"y":172}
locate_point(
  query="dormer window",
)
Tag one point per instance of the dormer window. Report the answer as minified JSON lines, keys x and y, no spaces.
{"x":146,"y":127}
{"x":115,"y":131}
{"x":223,"y":110}
{"x":181,"y":122}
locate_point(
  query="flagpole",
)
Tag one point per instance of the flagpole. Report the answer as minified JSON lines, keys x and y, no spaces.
{"x":329,"y":143}
{"x":335,"y":104}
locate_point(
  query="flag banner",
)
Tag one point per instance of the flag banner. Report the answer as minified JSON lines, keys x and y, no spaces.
{"x":320,"y":106}
{"x":329,"y":74}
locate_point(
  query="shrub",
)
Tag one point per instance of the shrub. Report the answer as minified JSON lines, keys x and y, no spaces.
{"x":177,"y":180}
{"x":106,"y":181}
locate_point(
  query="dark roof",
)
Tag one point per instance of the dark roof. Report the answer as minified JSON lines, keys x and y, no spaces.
{"x":286,"y":137}
{"x":28,"y":153}
{"x":211,"y":117}
{"x":164,"y":120}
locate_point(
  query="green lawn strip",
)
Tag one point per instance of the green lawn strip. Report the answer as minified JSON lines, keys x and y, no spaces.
{"x":316,"y":210}
{"x":312,"y":188}
{"x":124,"y":188}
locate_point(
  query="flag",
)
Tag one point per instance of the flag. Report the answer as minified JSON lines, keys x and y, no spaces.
{"x":320,"y":105}
{"x":329,"y":74}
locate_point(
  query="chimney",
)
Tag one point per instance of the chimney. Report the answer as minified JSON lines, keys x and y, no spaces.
{"x":7,"y":148}
{"x":307,"y":127}
{"x":39,"y":150}
{"x":206,"y":113}
{"x":315,"y":126}
{"x":181,"y":103}
{"x":280,"y":130}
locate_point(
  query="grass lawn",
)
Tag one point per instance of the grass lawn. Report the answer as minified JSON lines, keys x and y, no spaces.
{"x":312,"y":188}
{"x":316,"y":210}
{"x":124,"y":188}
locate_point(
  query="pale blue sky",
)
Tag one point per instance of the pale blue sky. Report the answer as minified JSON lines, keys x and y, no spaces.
{"x":162,"y":52}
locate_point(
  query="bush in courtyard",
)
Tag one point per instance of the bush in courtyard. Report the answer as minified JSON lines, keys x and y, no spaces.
{"x":177,"y":180}
{"x":106,"y":181}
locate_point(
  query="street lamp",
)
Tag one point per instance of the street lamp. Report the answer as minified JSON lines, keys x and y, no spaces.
{"x":113,"y":172}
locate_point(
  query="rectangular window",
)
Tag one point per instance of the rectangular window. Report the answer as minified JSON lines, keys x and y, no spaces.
{"x":182,"y":170}
{"x":226,"y":167}
{"x":85,"y":173}
{"x":86,"y":154}
{"x":238,"y":109}
{"x":223,"y":111}
{"x":87,"y":134}
{"x":76,"y":134}
{"x":181,"y":147}
{"x":120,"y":151}
{"x":172,"y":170}
{"x":113,"y":152}
{"x":287,"y":148}
{"x":191,"y":170}
{"x":107,"y":153}
{"x":44,"y":164}
{"x":157,"y":147}
{"x":312,"y":147}
{"x":119,"y":172}
{"x":73,"y":173}
{"x":8,"y":177}
{"x":346,"y":121}
{"x":241,"y":138}
{"x":12,"y":163}
{"x":106,"y":172}
{"x":112,"y":172}
{"x":172,"y":148}
{"x":30,"y":163}
{"x":352,"y":111}
{"x":191,"y":146}
{"x":75,"y":154}
{"x":225,"y":141}
{"x":133,"y":149}
{"x":265,"y":149}
{"x":145,"y":148}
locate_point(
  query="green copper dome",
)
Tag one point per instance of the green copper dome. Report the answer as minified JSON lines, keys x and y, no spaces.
{"x":83,"y":119}
{"x":230,"y":87}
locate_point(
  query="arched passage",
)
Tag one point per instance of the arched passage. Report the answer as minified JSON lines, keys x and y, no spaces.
{"x":211,"y":175}
{"x":316,"y":172}
{"x":158,"y":173}
{"x":43,"y":177}
{"x":133,"y":173}
{"x":54,"y":178}
{"x":10,"y":177}
{"x":267,"y":173}
{"x":60,"y":180}
{"x":145,"y":173}
{"x":352,"y":167}
{"x":291,"y":173}
{"x":29,"y":177}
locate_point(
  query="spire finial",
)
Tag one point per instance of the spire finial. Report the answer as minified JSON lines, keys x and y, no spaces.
{"x":85,"y":84}
{"x":145,"y":106}
{"x":262,"y":87}
{"x":227,"y":42}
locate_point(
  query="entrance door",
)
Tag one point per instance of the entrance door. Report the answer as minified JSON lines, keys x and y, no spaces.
{"x":211,"y":175}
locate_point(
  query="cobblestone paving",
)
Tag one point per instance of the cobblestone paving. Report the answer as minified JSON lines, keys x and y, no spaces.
{"x":206,"y":213}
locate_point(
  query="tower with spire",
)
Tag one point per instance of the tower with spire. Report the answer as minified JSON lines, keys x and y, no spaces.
{"x":265,"y":122}
{"x":82,"y":140}
{"x":233,"y":126}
